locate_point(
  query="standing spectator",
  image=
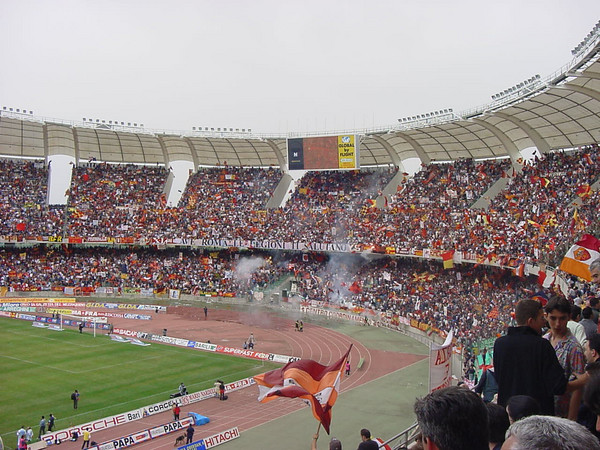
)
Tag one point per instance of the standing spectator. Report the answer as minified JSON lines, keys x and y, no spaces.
{"x":80,"y":327}
{"x":595,"y":270}
{"x":549,"y":432}
{"x":22,"y":445}
{"x":29,"y":435}
{"x":75,"y":398}
{"x":595,"y":311}
{"x":20,"y":433}
{"x":334,"y":444}
{"x":575,"y":326}
{"x":591,"y":398}
{"x":520,"y":406}
{"x":591,"y":350}
{"x":568,"y":352}
{"x":51,"y":420}
{"x":452,"y":418}
{"x":525,"y":363}
{"x":176,"y":411}
{"x":487,"y":385}
{"x":205,"y":313}
{"x":42,"y":427}
{"x":87,"y":435}
{"x":251,"y":341}
{"x":189,"y":432}
{"x":498,"y":423}
{"x":588,"y":324}
{"x":367,"y":443}
{"x":348,"y":368}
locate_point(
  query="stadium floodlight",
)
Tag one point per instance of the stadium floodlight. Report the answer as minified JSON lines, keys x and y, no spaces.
{"x":517,"y":88}
{"x":589,"y":38}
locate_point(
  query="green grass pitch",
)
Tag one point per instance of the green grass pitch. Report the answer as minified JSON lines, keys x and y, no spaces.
{"x":40,"y":368}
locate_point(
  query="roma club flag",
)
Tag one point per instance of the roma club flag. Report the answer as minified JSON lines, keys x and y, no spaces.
{"x":579,"y":257}
{"x":305,"y":379}
{"x":448,"y":259}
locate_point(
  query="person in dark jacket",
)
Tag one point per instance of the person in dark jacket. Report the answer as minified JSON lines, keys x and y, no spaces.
{"x":525,"y":363}
{"x":487,"y":385}
{"x":189,"y":433}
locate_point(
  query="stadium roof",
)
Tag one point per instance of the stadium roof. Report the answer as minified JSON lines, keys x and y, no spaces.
{"x":559,"y":111}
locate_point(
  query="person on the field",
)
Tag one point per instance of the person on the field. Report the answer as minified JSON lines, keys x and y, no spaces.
{"x":87,"y":435}
{"x":189,"y":433}
{"x":221,"y":390}
{"x":75,"y":398}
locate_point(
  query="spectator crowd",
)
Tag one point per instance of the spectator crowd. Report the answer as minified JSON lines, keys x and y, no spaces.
{"x":542,"y":210}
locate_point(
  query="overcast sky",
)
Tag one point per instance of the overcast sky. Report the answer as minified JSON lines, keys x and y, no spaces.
{"x":276,"y":66}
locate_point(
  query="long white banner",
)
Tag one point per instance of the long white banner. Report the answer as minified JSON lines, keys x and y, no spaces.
{"x":440,"y":364}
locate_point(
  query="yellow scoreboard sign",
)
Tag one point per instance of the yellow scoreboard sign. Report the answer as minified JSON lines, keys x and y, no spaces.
{"x":346,"y":152}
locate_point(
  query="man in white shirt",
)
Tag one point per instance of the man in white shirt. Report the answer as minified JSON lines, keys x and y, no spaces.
{"x":576,"y":328}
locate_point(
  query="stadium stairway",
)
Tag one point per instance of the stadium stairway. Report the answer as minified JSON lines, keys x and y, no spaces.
{"x":275,"y":289}
{"x":483,"y":202}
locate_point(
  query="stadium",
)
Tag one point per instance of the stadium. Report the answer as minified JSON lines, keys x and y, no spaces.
{"x":326,"y":229}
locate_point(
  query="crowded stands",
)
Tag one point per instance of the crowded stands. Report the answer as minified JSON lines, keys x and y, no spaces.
{"x":24,"y":208}
{"x":542,"y":210}
{"x":533,"y":218}
{"x":115,"y":200}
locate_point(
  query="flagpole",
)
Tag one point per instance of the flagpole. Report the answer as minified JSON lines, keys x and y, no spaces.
{"x":315,"y":437}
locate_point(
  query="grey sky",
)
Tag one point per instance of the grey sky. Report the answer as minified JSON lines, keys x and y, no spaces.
{"x":276,"y":66}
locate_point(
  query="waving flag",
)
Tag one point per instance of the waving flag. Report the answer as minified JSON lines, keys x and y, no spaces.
{"x":305,"y":379}
{"x":448,"y":259}
{"x":579,"y":257}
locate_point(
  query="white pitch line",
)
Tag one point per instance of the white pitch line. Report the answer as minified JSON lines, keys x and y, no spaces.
{"x":37,"y":364}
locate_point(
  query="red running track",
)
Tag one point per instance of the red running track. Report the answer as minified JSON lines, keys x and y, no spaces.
{"x":274,"y":335}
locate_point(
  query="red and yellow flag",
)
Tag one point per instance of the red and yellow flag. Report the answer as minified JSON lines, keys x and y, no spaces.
{"x":448,"y":259}
{"x":305,"y":379}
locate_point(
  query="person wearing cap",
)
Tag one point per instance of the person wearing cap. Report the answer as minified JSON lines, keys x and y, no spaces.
{"x":334,"y":444}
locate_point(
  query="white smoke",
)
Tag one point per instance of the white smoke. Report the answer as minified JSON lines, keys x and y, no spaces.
{"x":246,"y":267}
